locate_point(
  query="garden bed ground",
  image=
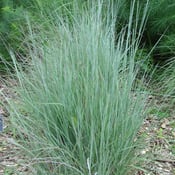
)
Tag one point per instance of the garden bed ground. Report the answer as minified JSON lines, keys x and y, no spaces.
{"x":157,"y":155}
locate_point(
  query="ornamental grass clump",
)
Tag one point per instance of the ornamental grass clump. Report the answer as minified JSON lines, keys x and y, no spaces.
{"x":77,"y":109}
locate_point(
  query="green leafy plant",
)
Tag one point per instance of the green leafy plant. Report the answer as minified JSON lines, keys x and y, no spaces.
{"x":11,"y":19}
{"x":160,"y":133}
{"x":160,"y":113}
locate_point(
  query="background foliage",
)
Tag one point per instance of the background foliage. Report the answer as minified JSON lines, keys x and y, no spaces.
{"x":12,"y":18}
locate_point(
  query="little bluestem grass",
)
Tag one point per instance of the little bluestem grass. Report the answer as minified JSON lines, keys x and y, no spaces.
{"x":77,"y":110}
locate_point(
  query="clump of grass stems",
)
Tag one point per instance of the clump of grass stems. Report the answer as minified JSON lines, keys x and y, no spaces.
{"x":77,"y":111}
{"x":165,"y":82}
